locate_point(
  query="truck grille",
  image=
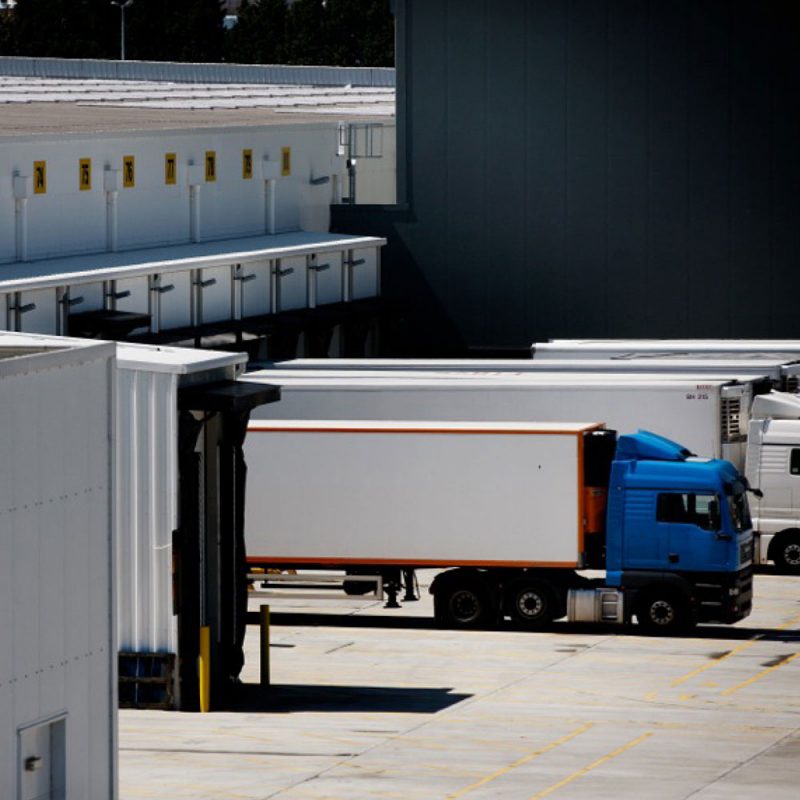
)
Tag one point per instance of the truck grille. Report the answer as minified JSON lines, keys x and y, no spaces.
{"x":731,"y":412}
{"x":792,"y":384}
{"x":746,"y":552}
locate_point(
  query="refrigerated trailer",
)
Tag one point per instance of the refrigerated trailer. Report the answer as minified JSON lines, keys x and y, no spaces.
{"x":708,"y":416}
{"x":784,"y":373}
{"x":511,"y":511}
{"x":742,"y":421}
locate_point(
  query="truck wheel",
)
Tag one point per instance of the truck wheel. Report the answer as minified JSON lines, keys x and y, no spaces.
{"x":662,"y":612}
{"x":530,"y":604}
{"x":787,"y":553}
{"x":463,"y":605}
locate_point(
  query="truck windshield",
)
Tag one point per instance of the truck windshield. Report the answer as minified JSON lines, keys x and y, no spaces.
{"x":740,"y":511}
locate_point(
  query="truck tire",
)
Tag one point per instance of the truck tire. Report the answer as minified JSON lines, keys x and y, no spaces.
{"x":786,"y":553}
{"x":531,"y":604}
{"x":663,"y":612}
{"x":463,"y":604}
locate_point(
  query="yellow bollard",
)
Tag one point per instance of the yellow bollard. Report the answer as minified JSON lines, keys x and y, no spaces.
{"x":264,"y":620}
{"x":204,"y":668}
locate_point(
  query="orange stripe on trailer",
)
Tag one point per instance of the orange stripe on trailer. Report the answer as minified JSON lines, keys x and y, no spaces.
{"x":256,"y":428}
{"x":422,"y":562}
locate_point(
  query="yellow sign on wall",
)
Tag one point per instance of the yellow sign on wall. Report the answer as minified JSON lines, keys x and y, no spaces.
{"x":247,"y":164}
{"x":128,"y":172}
{"x":40,"y":177}
{"x":170,"y":169}
{"x":85,"y":174}
{"x":286,"y":161}
{"x":211,"y":165}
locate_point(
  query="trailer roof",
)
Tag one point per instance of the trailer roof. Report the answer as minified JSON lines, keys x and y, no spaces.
{"x":365,"y":380}
{"x":748,"y":348}
{"x":154,"y":358}
{"x":711,"y":362}
{"x":416,"y":426}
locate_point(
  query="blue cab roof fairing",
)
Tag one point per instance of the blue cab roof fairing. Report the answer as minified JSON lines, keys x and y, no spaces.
{"x":654,"y":462}
{"x":645,"y":445}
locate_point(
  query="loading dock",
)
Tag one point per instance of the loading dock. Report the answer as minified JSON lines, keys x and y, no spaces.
{"x":181,"y":417}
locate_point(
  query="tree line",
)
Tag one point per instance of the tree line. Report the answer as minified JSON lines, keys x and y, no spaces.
{"x":329,"y":32}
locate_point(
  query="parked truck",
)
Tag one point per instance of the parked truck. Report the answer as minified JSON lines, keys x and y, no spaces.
{"x":742,"y":421}
{"x":510,"y":511}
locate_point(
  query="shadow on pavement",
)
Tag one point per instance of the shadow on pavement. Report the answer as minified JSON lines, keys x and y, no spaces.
{"x":313,"y":620}
{"x":288,"y":698}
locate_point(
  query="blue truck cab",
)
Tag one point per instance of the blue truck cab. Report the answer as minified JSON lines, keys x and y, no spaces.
{"x":678,"y":539}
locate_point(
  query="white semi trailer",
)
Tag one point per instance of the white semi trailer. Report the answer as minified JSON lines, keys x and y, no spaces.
{"x":758,"y":432}
{"x":511,"y":510}
{"x":784,"y":373}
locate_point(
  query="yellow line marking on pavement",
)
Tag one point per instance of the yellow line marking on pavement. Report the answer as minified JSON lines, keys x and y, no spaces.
{"x":714,"y":662}
{"x":736,"y":650}
{"x":593,"y":765}
{"x":520,"y":761}
{"x":760,"y":674}
{"x":685,"y":698}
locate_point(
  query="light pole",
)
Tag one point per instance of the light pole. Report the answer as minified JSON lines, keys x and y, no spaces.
{"x":122,"y":6}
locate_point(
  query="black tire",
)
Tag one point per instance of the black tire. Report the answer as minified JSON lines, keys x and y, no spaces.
{"x":786,"y":553}
{"x":463,"y":604}
{"x":531,"y":604}
{"x":663,"y":612}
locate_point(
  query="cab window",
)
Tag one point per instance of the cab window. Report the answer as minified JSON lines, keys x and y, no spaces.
{"x":688,"y":509}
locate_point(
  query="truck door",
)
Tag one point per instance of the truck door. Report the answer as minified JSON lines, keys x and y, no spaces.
{"x":694,"y":541}
{"x":776,"y":480}
{"x":645,"y":544}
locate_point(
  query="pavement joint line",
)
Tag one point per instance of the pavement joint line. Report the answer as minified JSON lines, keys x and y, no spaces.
{"x":760,"y":675}
{"x":744,"y":763}
{"x":599,"y":762}
{"x":520,"y":761}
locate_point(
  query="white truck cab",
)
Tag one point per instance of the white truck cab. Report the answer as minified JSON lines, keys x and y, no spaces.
{"x":773,"y":466}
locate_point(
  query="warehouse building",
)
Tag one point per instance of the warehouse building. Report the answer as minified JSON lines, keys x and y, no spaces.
{"x":604,"y":168}
{"x":173,"y":205}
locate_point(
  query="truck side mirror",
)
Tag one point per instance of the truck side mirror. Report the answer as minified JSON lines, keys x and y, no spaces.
{"x":713,"y":515}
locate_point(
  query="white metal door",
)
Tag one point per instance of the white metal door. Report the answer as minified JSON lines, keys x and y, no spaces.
{"x":42,"y":761}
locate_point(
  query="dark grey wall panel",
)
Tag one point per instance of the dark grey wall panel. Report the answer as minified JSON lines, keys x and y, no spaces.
{"x":595,"y":167}
{"x":545,"y":132}
{"x":626,"y":213}
{"x":505,"y":191}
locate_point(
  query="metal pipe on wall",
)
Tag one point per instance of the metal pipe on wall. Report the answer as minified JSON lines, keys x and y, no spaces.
{"x":111,"y":184}
{"x":23,"y":189}
{"x":21,"y":228}
{"x":269,"y":206}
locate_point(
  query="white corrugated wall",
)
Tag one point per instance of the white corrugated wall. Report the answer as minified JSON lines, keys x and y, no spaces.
{"x":147,"y":476}
{"x":57,"y":654}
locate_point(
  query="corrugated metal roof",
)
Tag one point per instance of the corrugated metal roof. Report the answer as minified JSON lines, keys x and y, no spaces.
{"x":196,"y":73}
{"x":34,"y":105}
